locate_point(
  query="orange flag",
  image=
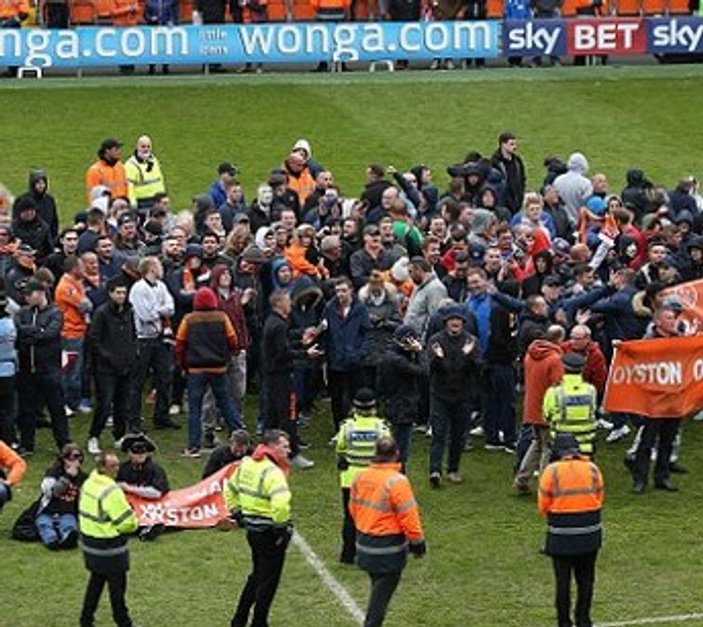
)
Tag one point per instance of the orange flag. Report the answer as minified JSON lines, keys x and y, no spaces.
{"x":657,"y":378}
{"x":690,"y":295}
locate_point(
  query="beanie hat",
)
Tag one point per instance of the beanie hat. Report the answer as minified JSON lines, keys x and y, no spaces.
{"x":205,"y":299}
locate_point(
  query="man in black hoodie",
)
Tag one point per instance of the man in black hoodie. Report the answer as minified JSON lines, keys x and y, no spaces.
{"x":45,"y":203}
{"x":30,"y":229}
{"x":114,"y":342}
{"x":510,"y":165}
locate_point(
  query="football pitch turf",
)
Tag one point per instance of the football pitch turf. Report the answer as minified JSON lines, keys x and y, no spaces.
{"x":483,"y":568}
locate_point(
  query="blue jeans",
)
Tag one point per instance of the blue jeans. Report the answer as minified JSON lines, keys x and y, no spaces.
{"x":447,"y":418}
{"x":55,"y":527}
{"x":71,"y":379}
{"x":5,"y":495}
{"x":198,"y":383}
{"x":500,"y":404}
{"x":402,"y":434}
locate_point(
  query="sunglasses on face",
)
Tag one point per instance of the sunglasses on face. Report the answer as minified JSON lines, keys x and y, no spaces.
{"x":75,"y":457}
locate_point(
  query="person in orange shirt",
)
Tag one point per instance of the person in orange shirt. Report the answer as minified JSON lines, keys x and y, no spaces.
{"x":75,"y":307}
{"x":12,"y":14}
{"x":298,"y":177}
{"x":107,"y":171}
{"x":571,"y":498}
{"x":16,"y":465}
{"x":387,"y":521}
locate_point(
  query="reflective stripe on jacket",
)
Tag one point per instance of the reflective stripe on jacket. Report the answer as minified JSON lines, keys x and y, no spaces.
{"x":570,"y":407}
{"x":356,"y":441}
{"x":386,"y":517}
{"x":104,"y":515}
{"x":571,"y":496}
{"x":259,"y":490}
{"x":143,"y":181}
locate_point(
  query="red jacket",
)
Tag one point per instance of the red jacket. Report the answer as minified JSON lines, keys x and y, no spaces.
{"x":596,"y":370}
{"x":543,"y":369}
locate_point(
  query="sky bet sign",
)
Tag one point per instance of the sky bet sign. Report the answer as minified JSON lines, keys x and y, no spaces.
{"x":575,"y":37}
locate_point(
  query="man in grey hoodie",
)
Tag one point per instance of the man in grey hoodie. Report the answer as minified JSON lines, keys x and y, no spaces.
{"x":574,"y":187}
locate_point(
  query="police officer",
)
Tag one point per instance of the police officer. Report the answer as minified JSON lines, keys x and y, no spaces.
{"x":104,"y":517}
{"x":570,"y":407}
{"x":388,"y":526}
{"x":258,"y":498}
{"x":571,"y":497}
{"x":356,"y":446}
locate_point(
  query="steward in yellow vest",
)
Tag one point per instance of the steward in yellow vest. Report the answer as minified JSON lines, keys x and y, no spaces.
{"x":104,"y":516}
{"x":144,"y":176}
{"x":570,"y":407}
{"x":356,"y":447}
{"x":258,"y":498}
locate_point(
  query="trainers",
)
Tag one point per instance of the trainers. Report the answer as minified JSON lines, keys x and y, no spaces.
{"x":449,"y":65}
{"x":618,"y":434}
{"x":435,"y":479}
{"x":109,"y":421}
{"x":493,"y":446}
{"x":454,"y":477}
{"x":434,"y":65}
{"x":301,"y":463}
{"x":510,"y":449}
{"x":174,"y":410}
{"x":94,"y":446}
{"x":477,"y":431}
{"x":68,"y":411}
{"x":85,"y":407}
{"x":468,"y":447}
{"x":191,"y":451}
{"x":602,"y":423}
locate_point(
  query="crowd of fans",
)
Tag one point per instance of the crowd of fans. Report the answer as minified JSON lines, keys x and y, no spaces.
{"x":431,"y":297}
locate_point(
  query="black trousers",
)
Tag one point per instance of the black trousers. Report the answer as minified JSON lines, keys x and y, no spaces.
{"x":154,"y":357}
{"x":348,"y":530}
{"x":117,"y":586}
{"x":342,"y":386}
{"x":7,"y":409}
{"x":382,"y":589}
{"x":278,"y":390}
{"x":35,"y":391}
{"x":112,"y":396}
{"x":268,"y":553}
{"x":583,"y":568}
{"x":666,"y":429}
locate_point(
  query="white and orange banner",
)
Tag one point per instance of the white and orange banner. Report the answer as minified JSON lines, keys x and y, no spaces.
{"x":690,"y":295}
{"x":657,"y":378}
{"x":195,"y":507}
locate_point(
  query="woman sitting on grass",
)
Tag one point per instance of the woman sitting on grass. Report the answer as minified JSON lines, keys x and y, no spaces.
{"x":57,"y":516}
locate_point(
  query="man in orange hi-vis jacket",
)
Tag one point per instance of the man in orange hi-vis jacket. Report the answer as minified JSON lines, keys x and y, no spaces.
{"x":388,"y":526}
{"x":571,"y":497}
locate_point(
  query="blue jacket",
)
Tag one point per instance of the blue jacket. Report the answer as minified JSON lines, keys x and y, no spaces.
{"x":621,"y":322}
{"x":346,"y":340}
{"x":161,"y":12}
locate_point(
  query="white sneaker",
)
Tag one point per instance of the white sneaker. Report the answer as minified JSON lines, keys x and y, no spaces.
{"x":109,"y":421}
{"x":449,"y":65}
{"x":94,"y":446}
{"x":434,"y":65}
{"x":618,"y":434}
{"x":699,"y":416}
{"x":301,"y":463}
{"x":69,"y":411}
{"x":477,"y":432}
{"x":602,"y":423}
{"x":174,"y":410}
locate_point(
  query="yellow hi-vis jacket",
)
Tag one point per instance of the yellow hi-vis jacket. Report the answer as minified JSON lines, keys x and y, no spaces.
{"x":104,"y":515}
{"x":258,"y":489}
{"x":570,"y":407}
{"x":356,"y":443}
{"x":143,"y":182}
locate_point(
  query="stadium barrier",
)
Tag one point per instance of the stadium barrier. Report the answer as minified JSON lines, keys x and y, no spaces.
{"x":306,"y":43}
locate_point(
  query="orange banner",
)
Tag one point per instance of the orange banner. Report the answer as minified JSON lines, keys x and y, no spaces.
{"x":657,"y":378}
{"x":690,"y":295}
{"x":196,"y":507}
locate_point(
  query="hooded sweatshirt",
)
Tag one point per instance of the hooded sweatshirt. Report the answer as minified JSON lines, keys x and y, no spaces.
{"x":46,"y":206}
{"x":206,"y":337}
{"x":230,"y":302}
{"x":543,"y":369}
{"x":574,"y":187}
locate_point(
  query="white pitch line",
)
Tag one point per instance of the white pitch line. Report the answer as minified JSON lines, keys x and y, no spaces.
{"x":654,"y":620}
{"x":332,"y":583}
